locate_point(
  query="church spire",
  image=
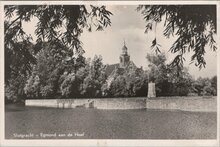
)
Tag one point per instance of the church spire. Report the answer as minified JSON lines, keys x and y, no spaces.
{"x":124,"y":58}
{"x":124,"y":49}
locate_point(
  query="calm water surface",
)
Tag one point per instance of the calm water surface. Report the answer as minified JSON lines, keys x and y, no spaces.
{"x":51,"y":123}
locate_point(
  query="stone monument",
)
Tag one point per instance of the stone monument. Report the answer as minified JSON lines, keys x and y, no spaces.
{"x":151,"y":90}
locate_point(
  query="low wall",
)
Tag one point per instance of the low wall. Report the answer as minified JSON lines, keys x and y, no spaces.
{"x":42,"y":103}
{"x":104,"y":103}
{"x":121,"y":103}
{"x":176,"y":103}
{"x":184,"y":103}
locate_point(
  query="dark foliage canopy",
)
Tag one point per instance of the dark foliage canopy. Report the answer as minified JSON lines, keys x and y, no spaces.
{"x":61,"y":25}
{"x":194,"y":25}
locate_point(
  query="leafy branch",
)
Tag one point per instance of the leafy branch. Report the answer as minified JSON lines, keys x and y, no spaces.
{"x":190,"y":23}
{"x":51,"y":21}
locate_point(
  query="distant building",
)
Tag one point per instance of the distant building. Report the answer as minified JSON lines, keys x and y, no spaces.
{"x":124,"y":65}
{"x":124,"y":58}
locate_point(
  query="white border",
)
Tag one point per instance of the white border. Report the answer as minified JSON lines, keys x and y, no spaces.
{"x":102,"y":142}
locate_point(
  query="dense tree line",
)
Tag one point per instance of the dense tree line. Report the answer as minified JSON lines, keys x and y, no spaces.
{"x":58,"y":68}
{"x":128,"y":82}
{"x":176,"y":81}
{"x":55,"y":76}
{"x":61,"y":25}
{"x":205,"y":86}
{"x":170,"y":81}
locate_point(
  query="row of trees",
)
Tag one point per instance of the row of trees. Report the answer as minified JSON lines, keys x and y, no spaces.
{"x":22,"y":64}
{"x":61,"y":25}
{"x":55,"y":76}
{"x":205,"y":86}
{"x":176,"y":81}
{"x":128,"y":82}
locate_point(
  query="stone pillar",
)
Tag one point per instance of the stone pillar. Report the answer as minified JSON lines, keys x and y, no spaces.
{"x":151,"y":90}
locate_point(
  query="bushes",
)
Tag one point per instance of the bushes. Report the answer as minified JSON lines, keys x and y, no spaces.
{"x":14,"y":89}
{"x":32,"y":87}
{"x":118,"y":87}
{"x":94,"y":79}
{"x":70,"y":86}
{"x":132,"y":82}
{"x":205,"y":86}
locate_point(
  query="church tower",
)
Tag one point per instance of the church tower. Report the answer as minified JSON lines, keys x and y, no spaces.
{"x":124,"y":57}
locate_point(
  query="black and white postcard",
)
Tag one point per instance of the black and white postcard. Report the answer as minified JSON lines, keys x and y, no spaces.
{"x":109,"y":73}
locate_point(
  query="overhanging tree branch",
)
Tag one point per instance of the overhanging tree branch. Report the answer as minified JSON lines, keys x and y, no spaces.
{"x":12,"y":23}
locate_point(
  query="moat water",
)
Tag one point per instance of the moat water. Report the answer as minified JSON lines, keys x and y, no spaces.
{"x":80,"y":123}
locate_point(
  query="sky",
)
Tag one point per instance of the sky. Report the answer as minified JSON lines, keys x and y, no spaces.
{"x":128,"y":25}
